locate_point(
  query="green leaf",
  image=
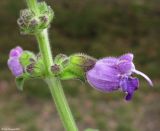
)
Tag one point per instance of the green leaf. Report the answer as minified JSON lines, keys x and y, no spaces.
{"x":89,"y":129}
{"x":20,"y":83}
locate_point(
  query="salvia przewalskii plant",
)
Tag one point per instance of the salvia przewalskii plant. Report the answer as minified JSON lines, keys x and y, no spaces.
{"x":107,"y":74}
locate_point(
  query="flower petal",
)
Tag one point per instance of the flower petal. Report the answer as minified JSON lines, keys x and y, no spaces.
{"x":103,"y":72}
{"x":102,"y":85}
{"x":128,"y":57}
{"x":16,"y":52}
{"x":129,"y":96}
{"x":125,"y":67}
{"x":15,"y":67}
{"x":103,"y":78}
{"x":129,"y":85}
{"x":143,"y":75}
{"x":109,"y":61}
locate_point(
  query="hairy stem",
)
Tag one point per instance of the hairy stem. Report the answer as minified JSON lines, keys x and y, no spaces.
{"x":53,"y":82}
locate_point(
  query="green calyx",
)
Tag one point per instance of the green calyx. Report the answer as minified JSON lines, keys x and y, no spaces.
{"x":61,"y":61}
{"x":32,"y":23}
{"x":72,"y":67}
{"x":27,"y":58}
{"x":32,"y":64}
{"x":84,"y":61}
{"x":89,"y":129}
{"x":33,"y":68}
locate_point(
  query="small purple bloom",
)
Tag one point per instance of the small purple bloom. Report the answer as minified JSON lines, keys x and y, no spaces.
{"x":110,"y":74}
{"x":14,"y":63}
{"x":16,"y":52}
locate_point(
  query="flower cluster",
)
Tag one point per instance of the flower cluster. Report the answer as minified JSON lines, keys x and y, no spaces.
{"x":107,"y":74}
{"x":14,"y":62}
{"x":110,"y":74}
{"x":24,"y":63}
{"x":31,"y":23}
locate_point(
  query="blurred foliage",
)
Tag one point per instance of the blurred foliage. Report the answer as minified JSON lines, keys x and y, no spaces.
{"x":99,"y":28}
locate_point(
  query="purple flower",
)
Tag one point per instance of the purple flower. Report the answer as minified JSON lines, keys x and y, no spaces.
{"x":110,"y":74}
{"x":14,"y":63}
{"x":16,"y":52}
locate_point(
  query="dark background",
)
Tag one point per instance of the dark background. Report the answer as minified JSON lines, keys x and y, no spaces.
{"x":99,"y":28}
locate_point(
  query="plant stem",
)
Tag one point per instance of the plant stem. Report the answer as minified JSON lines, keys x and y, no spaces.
{"x":45,"y":50}
{"x":61,"y":103}
{"x":32,"y":4}
{"x":53,"y":82}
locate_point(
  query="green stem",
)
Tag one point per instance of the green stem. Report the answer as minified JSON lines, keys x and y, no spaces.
{"x":32,"y":4}
{"x":61,"y":104}
{"x":53,"y":82}
{"x":45,"y":50}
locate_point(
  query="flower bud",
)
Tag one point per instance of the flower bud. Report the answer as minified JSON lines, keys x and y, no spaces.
{"x":35,"y":70}
{"x":14,"y":63}
{"x":25,"y":64}
{"x":16,"y":52}
{"x":30,"y":68}
{"x":15,"y":66}
{"x":56,"y":69}
{"x":33,"y":65}
{"x":62,"y":60}
{"x":31,"y":23}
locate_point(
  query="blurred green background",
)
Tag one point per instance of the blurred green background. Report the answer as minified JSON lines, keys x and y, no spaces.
{"x":99,"y":28}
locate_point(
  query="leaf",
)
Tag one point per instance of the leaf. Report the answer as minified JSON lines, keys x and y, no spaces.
{"x":89,"y":129}
{"x":20,"y":83}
